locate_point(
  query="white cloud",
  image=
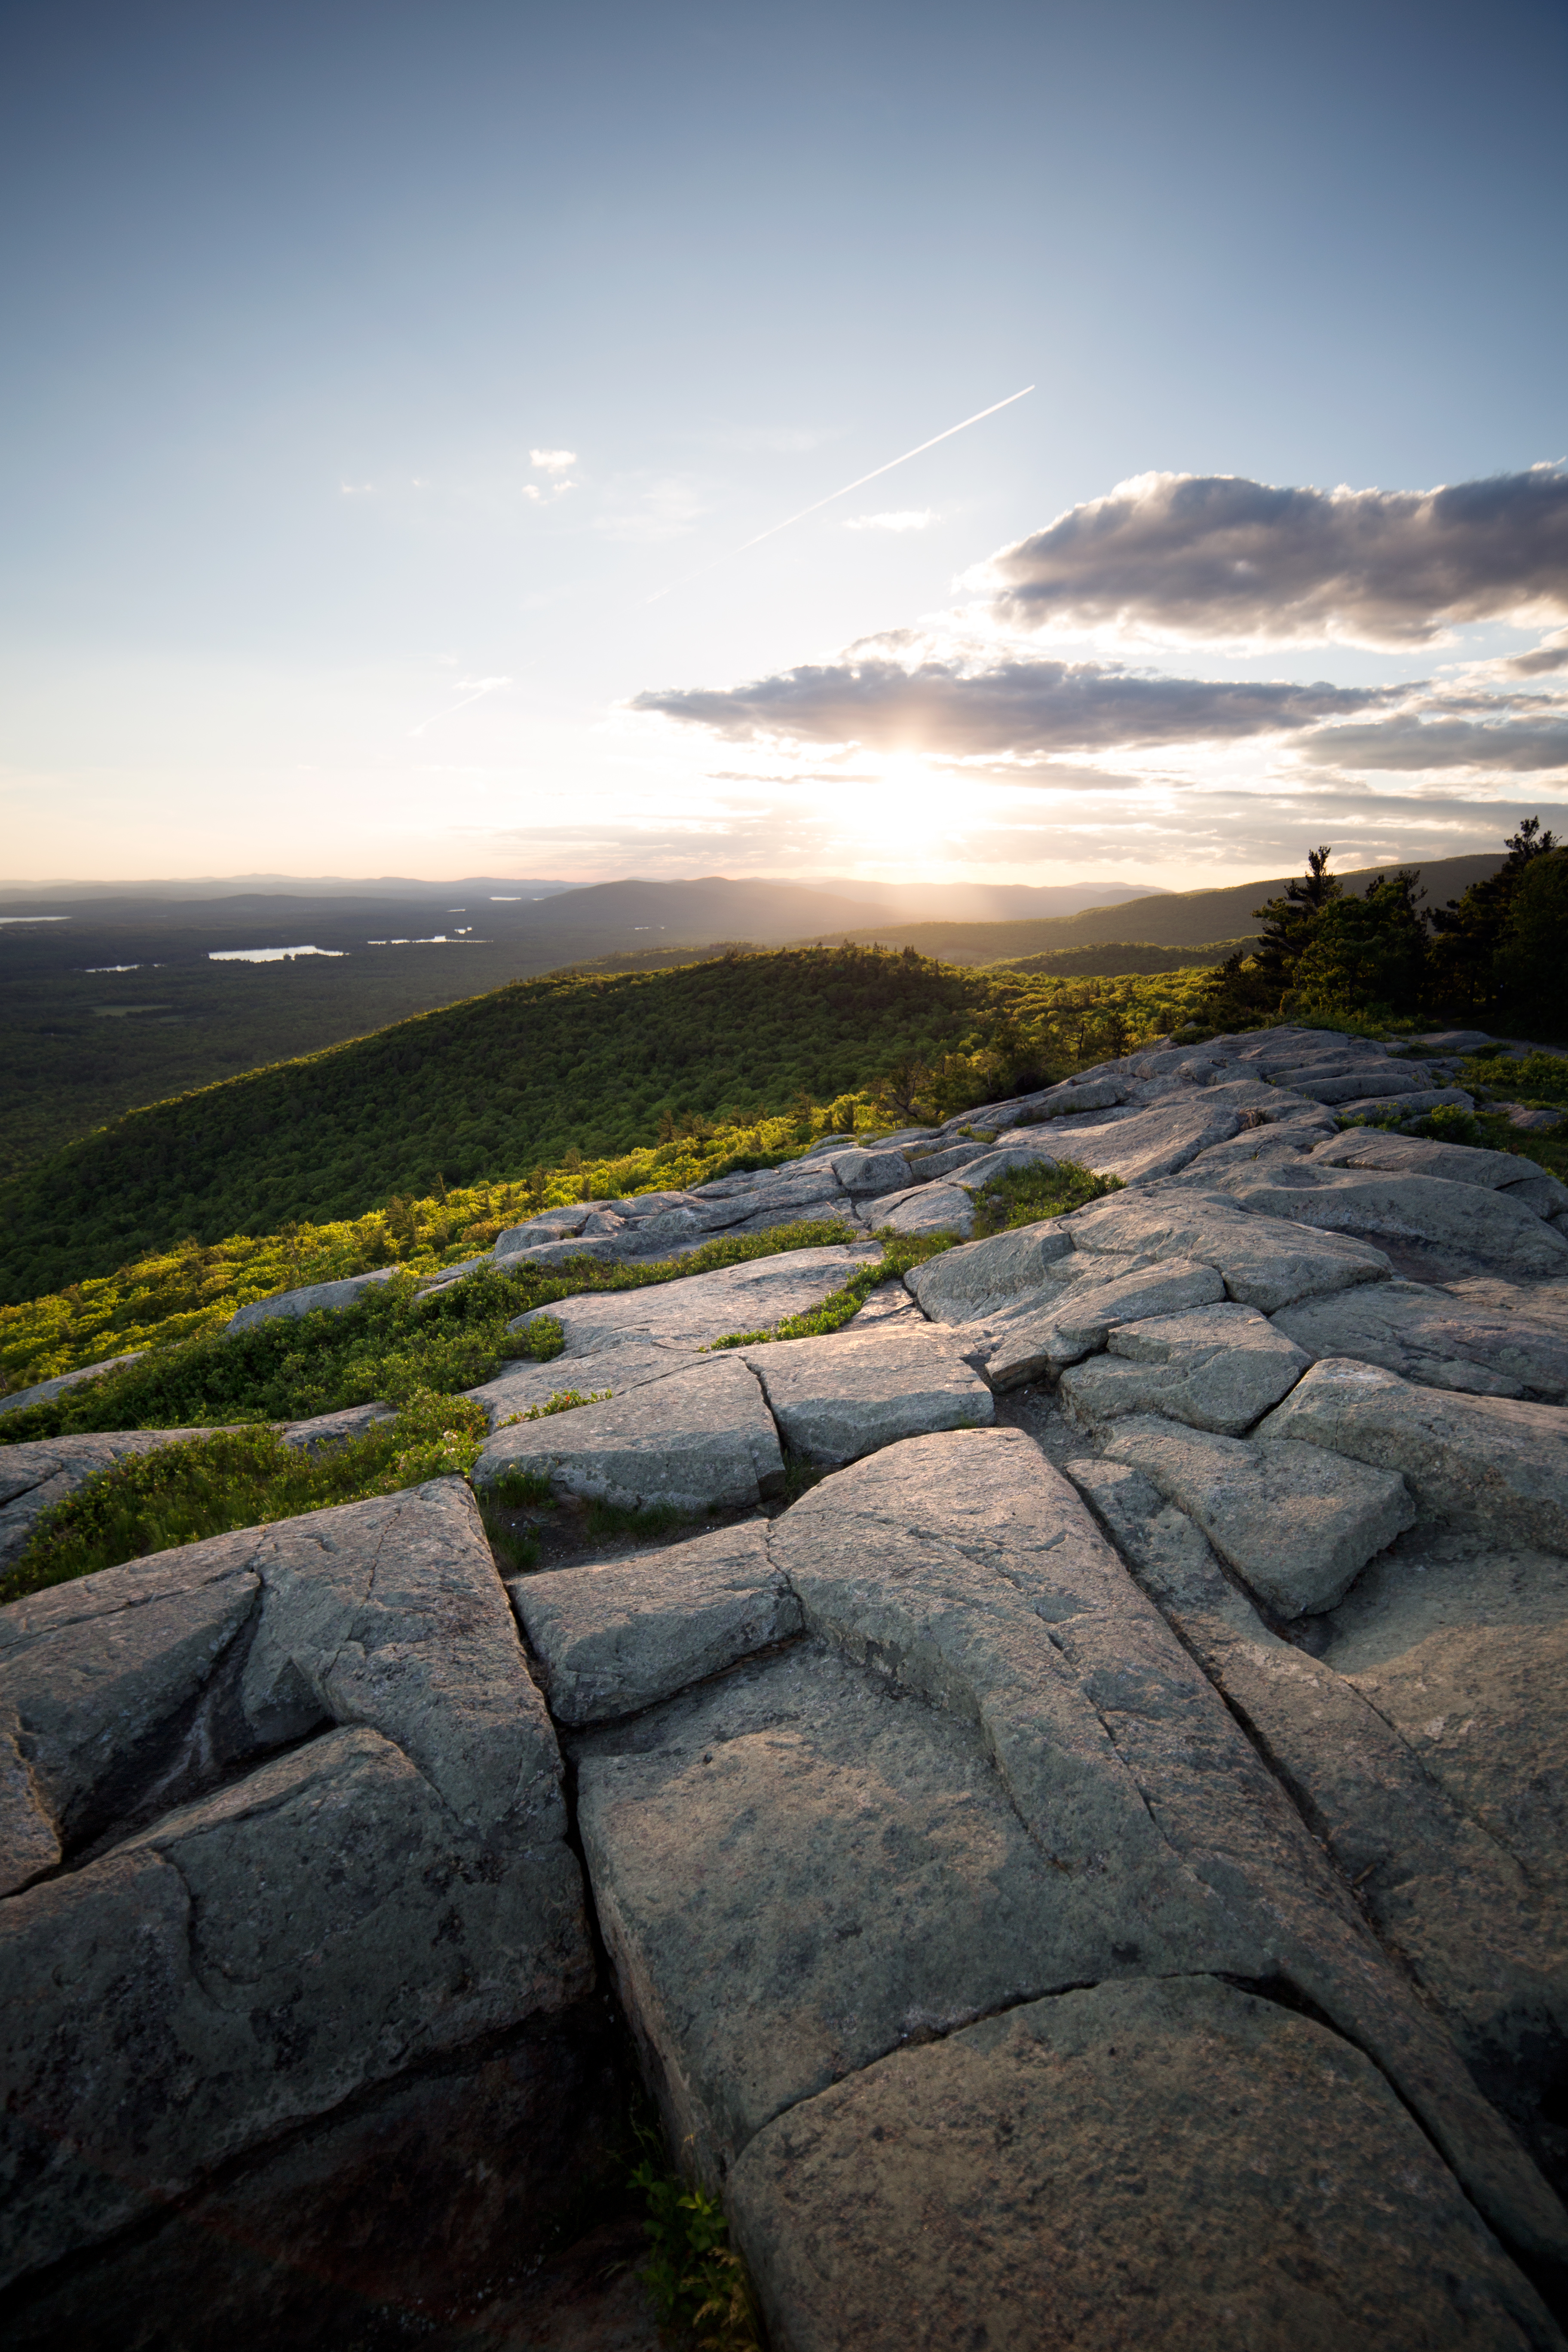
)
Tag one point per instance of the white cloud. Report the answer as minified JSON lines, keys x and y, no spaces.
{"x":552,"y":461}
{"x":904,"y":518}
{"x":1221,"y":558}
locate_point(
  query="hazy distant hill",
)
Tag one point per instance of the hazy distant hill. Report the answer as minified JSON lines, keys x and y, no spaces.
{"x":1178,"y":919}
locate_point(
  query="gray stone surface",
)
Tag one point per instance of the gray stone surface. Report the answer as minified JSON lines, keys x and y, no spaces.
{"x":1463,"y":1646}
{"x":692,"y":1314}
{"x":1109,"y":2169}
{"x":839,"y":1397}
{"x":864,"y":1173}
{"x":389,"y":1889}
{"x":704,"y":1438}
{"x":1496,"y":1464}
{"x":1419,"y":1155}
{"x":210,"y":1982}
{"x":1349,"y":1082}
{"x":1150,"y":1143}
{"x":616,"y":1638}
{"x":1213,"y":1367}
{"x":1041,"y":1345}
{"x":1011,"y":1775}
{"x":1445,"y":1888}
{"x":42,"y":1392}
{"x":975,"y":1280}
{"x":1267,"y":1261}
{"x":932,"y":1209}
{"x":1297,"y":1526}
{"x":523,"y":1386}
{"x":313,"y":1298}
{"x":93,"y":1676}
{"x":1466,"y":1221}
{"x":1428,"y":1335}
{"x":1413,"y":1103}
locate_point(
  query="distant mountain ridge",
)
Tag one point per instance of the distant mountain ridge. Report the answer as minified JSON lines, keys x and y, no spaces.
{"x":1175,"y":919}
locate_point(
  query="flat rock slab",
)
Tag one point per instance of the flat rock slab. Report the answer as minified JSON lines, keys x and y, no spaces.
{"x":1040,"y":1346}
{"x":249,"y":1961}
{"x":396,"y":1882}
{"x":314,"y":1299}
{"x":1445,"y":1892}
{"x":692,"y":1312}
{"x":525,"y":1385}
{"x":1297,"y":1528}
{"x":702,"y":1438}
{"x":1214,"y":1368}
{"x":1008,"y":1269}
{"x":1351,"y":1080}
{"x":1151,"y":1143}
{"x":1497,"y":1465}
{"x":1108,"y":2169}
{"x":1428,"y":1335}
{"x":613,"y":1639}
{"x":1466,"y":1221}
{"x":848,"y":1393}
{"x":1458,"y":1163}
{"x":929,"y":1209}
{"x":1265,"y":1262}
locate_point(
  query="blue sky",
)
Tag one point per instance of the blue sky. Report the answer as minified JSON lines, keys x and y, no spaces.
{"x":389,"y":389}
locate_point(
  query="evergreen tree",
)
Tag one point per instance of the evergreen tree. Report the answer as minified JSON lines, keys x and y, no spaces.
{"x":1471,"y":930}
{"x":1289,"y":923}
{"x":1367,"y":955}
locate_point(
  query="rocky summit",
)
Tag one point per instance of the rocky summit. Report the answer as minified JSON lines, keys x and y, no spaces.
{"x":1071,"y":1835}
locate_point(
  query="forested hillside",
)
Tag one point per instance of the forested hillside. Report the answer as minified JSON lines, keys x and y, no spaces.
{"x":532,"y":1072}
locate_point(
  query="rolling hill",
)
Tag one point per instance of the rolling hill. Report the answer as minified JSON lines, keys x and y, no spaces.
{"x":1183,"y":919}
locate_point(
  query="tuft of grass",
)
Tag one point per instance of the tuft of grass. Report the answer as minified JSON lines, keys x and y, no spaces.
{"x":517,"y":1489}
{"x":697,"y":2280}
{"x":564,"y":1401}
{"x":241,"y":1477}
{"x":901,"y":1252}
{"x":1023,"y":1196}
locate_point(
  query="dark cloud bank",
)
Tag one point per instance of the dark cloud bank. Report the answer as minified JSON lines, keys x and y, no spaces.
{"x":1017,"y":706}
{"x":1220,"y":558}
{"x":1216,"y":556}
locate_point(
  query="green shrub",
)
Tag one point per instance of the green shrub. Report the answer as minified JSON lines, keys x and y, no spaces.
{"x":1451,"y":1124}
{"x":241,"y":1477}
{"x":392,"y":1342}
{"x":697,"y":2281}
{"x":1023,"y":1196}
{"x":1532,"y":1078}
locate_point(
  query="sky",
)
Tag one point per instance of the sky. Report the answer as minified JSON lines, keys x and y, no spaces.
{"x":401,"y":402}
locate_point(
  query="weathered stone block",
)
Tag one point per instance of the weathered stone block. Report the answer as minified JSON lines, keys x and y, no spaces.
{"x":616,"y":1638}
{"x":1296,"y":1525}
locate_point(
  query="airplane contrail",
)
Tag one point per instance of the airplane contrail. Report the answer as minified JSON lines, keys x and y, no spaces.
{"x":485,"y":685}
{"x":859,"y":484}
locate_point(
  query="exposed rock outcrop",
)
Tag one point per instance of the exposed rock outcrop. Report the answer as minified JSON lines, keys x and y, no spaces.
{"x":1088,"y":1868}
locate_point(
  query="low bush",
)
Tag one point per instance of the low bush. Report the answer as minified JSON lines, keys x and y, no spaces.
{"x":1023,"y":1196}
{"x":241,"y":1477}
{"x":1533,"y":1078}
{"x":390,"y":1343}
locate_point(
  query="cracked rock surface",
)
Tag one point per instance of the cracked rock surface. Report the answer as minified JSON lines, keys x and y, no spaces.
{"x":1073,"y":1815}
